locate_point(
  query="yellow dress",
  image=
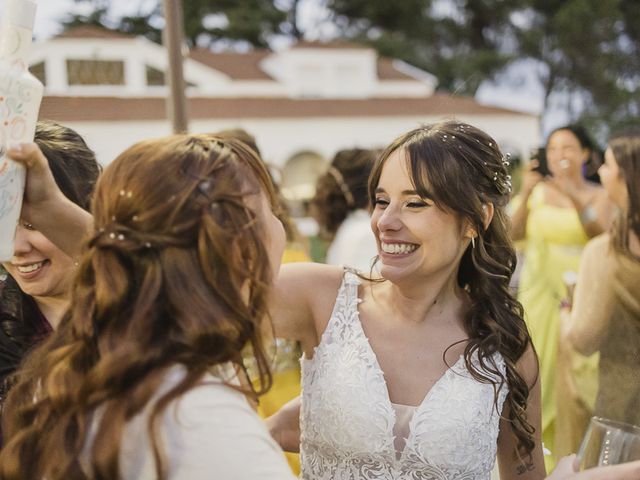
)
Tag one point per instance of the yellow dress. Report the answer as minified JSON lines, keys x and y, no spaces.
{"x":553,"y":244}
{"x":285,"y":368}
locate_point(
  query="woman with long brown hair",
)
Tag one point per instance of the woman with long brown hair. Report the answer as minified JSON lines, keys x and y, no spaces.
{"x":428,"y":371}
{"x":142,"y":378}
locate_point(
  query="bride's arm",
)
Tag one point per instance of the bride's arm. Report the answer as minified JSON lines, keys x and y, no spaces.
{"x":511,"y":466}
{"x":302,"y":301}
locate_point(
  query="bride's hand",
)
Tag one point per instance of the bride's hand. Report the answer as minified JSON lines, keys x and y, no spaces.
{"x":566,"y":470}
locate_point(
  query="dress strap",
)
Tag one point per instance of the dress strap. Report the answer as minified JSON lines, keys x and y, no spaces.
{"x":351,"y":281}
{"x":341,"y":324}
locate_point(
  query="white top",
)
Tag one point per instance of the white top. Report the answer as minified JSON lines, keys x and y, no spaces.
{"x":348,"y":421}
{"x":209,"y":432}
{"x":354,"y":244}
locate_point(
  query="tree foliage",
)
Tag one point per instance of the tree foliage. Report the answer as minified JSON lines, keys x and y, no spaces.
{"x":206,"y":22}
{"x":590,"y":51}
{"x":587,"y":51}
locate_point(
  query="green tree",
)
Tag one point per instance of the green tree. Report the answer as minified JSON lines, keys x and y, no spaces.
{"x":205,"y":21}
{"x":586,"y":50}
{"x":590,"y":52}
{"x":462,"y":42}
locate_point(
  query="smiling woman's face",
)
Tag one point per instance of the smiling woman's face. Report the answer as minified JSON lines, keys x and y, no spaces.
{"x":39,"y":267}
{"x":415,"y":237}
{"x":565,"y":153}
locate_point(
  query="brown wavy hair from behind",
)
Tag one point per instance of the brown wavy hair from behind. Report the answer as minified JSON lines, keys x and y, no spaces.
{"x":175,"y":273}
{"x":625,"y":146}
{"x":461,"y":168}
{"x":330,"y":203}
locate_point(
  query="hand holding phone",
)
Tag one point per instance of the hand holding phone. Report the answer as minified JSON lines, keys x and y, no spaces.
{"x":540,"y":157}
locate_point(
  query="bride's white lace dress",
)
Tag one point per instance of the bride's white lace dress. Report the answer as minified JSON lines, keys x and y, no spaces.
{"x":347,"y":419}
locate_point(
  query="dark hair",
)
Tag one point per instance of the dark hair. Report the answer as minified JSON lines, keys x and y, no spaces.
{"x":242,"y":135}
{"x":71,"y":161}
{"x":163,"y":281}
{"x":75,"y":171}
{"x":462,"y":168}
{"x":586,"y":141}
{"x":625,"y":146}
{"x":343,"y":188}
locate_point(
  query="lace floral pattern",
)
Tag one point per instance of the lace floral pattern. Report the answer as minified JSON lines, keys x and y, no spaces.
{"x":347,"y":418}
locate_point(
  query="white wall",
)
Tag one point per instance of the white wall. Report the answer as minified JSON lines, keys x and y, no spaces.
{"x":280,"y":139}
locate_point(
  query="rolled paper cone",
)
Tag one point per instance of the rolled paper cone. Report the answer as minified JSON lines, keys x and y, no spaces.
{"x":20,"y":97}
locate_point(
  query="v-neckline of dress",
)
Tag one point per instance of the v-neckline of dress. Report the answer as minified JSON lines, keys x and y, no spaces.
{"x":385,"y":388}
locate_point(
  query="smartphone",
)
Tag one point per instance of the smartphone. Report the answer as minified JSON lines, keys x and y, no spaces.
{"x":540,"y":156}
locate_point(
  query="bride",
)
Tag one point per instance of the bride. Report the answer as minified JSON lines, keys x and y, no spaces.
{"x":427,"y":372}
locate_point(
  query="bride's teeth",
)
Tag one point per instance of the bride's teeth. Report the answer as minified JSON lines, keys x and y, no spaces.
{"x":29,"y":268}
{"x":398,"y":248}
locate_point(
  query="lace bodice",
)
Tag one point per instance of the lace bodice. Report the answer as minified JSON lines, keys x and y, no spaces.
{"x":348,"y":420}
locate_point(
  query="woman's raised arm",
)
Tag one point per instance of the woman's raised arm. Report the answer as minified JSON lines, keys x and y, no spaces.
{"x":45,"y":206}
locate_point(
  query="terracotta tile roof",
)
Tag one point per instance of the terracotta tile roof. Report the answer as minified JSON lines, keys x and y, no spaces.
{"x":140,"y":109}
{"x":241,"y":66}
{"x":386,"y":71}
{"x":331,"y":45}
{"x":238,"y":66}
{"x":88,"y":31}
{"x":246,"y":66}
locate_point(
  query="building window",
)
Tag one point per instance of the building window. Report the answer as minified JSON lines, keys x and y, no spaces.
{"x":95,"y":72}
{"x":155,"y":77}
{"x":38,"y":71}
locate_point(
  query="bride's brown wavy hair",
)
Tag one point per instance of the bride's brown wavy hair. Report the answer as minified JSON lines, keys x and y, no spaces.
{"x":175,"y":273}
{"x":462,"y":168}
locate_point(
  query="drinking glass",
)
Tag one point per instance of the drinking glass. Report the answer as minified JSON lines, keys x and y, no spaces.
{"x":608,"y":442}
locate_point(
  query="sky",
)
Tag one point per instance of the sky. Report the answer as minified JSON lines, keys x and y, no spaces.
{"x":517,"y":88}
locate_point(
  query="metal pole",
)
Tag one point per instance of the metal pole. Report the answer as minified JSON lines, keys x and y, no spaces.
{"x":172,"y":39}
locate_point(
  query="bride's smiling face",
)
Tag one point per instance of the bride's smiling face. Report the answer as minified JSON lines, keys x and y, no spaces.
{"x":415,"y":237}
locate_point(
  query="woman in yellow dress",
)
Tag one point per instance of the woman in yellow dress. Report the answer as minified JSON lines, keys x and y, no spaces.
{"x":554,"y":216}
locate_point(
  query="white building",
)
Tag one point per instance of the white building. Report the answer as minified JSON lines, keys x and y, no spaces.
{"x":302,"y":104}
